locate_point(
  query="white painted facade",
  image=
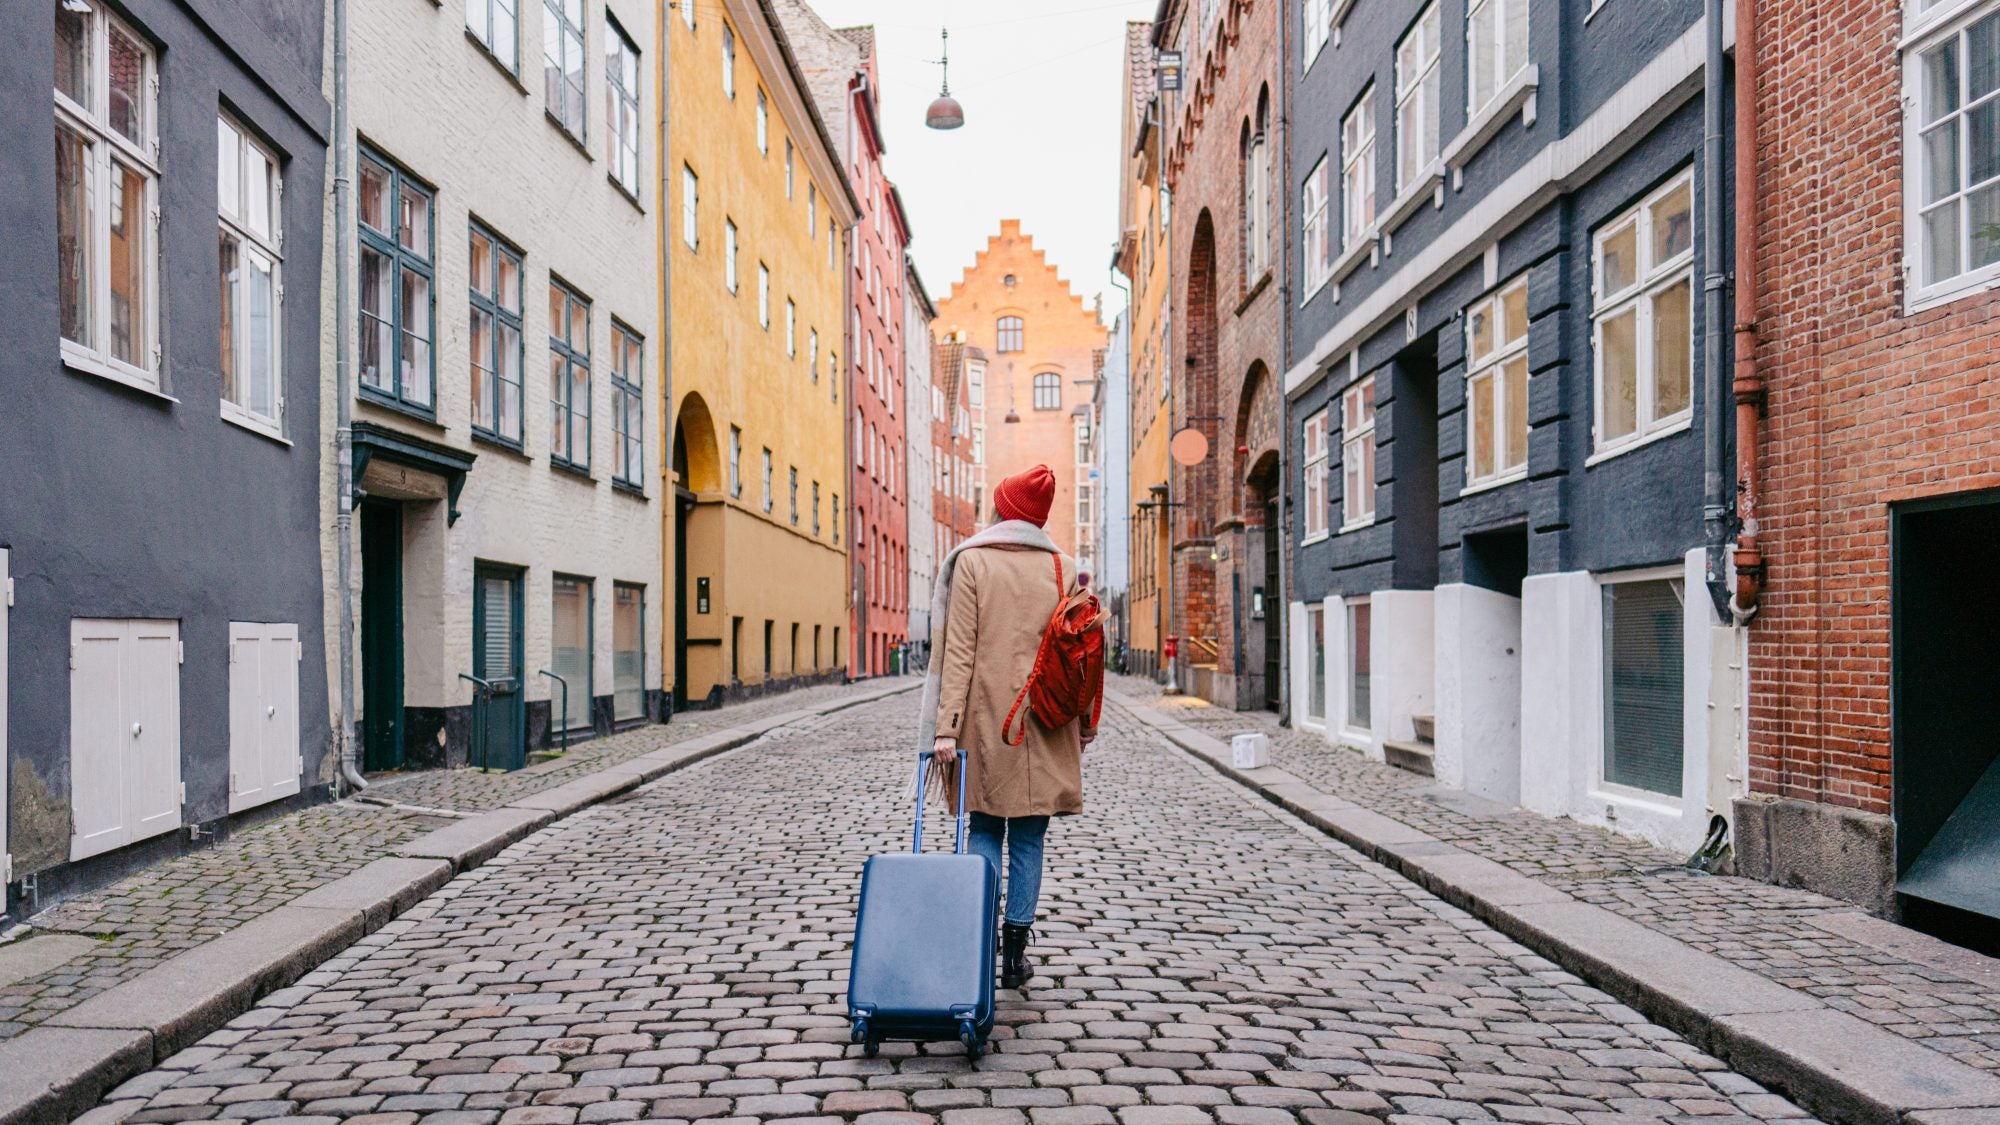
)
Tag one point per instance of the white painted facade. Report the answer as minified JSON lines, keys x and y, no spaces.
{"x":435,"y":102}
{"x":1518,"y":689}
{"x":920,"y":457}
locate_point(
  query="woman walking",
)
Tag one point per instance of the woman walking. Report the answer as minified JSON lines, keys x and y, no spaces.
{"x":996,"y":593}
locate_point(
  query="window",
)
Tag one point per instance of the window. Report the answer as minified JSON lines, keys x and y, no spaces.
{"x":791,"y":329}
{"x":815,"y":512}
{"x":1082,"y":439}
{"x":628,"y":406}
{"x":496,"y":25}
{"x":1642,"y":273}
{"x":1317,"y":240}
{"x":1316,"y":664}
{"x":1009,"y":332}
{"x":763,"y":123}
{"x":495,"y":336}
{"x":1359,"y":670}
{"x":562,"y":62}
{"x":1950,"y":80}
{"x":621,"y":109}
{"x":687,"y":13}
{"x":1417,"y":84}
{"x":1317,"y":18}
{"x":812,"y":209}
{"x":788,"y":179}
{"x":795,"y":495}
{"x":767,"y":482}
{"x":107,"y":197}
{"x":812,"y":353}
{"x":569,"y":376}
{"x":1496,"y":385}
{"x":1357,"y":170}
{"x":628,"y":649}
{"x":569,"y":655}
{"x":833,"y":513}
{"x":1643,"y":691}
{"x":832,"y":241}
{"x":1257,"y":201}
{"x":1357,"y":454}
{"x":398,"y":316}
{"x":1048,"y":391}
{"x":735,"y":461}
{"x":763,"y":295}
{"x":729,"y":254}
{"x":689,"y":194}
{"x":248,"y":195}
{"x":1496,"y":47}
{"x":728,"y":60}
{"x":870,"y":355}
{"x":1314,"y":454}
{"x":975,"y":383}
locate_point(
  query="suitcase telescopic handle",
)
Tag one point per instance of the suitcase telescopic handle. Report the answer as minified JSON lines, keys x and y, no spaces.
{"x":917,"y":837}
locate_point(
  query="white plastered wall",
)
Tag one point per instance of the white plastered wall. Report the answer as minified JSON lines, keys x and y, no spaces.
{"x":1479,"y":691}
{"x":1403,"y":684}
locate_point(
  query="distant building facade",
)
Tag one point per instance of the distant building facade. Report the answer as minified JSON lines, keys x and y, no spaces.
{"x":162,"y":638}
{"x":1035,"y":350}
{"x":1106,"y":462}
{"x":922,"y":402}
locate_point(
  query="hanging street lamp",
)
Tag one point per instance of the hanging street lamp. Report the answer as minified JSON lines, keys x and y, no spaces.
{"x":945,"y":112}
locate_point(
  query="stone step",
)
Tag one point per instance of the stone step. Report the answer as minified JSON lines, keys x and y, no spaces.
{"x":1426,"y":727}
{"x":1412,"y":756}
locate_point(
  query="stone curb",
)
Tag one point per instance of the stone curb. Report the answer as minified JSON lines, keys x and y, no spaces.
{"x":1830,"y":1063}
{"x":62,"y":1068}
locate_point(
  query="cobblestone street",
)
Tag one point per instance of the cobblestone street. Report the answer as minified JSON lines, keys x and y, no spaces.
{"x":681,"y":953}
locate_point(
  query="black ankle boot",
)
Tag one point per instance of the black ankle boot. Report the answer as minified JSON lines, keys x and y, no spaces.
{"x":1014,"y":970}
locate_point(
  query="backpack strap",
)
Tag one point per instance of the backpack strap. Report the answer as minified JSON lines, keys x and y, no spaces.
{"x":1034,"y":673}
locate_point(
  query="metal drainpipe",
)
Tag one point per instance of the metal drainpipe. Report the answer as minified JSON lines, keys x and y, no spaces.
{"x":1167,"y":508}
{"x":666,"y":330}
{"x":1715,"y":505}
{"x":1284,"y":157}
{"x":343,"y":366}
{"x":1749,"y":382}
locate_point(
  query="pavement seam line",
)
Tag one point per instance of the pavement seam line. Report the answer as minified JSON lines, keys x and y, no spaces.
{"x":1723,"y":1036}
{"x":93,"y":1077}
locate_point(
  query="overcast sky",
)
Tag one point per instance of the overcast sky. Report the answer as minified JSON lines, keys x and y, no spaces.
{"x":1039,"y":80}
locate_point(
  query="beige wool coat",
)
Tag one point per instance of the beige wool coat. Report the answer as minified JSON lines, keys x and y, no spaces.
{"x":1001,"y":599}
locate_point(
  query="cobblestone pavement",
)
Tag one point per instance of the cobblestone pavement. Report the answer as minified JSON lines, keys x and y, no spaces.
{"x":681,"y":953}
{"x":1759,"y":926}
{"x":153,"y":914}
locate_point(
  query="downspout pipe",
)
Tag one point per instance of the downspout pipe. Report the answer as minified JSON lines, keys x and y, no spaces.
{"x":1715,"y":499}
{"x":343,"y":368}
{"x":1749,"y":381}
{"x":1282,"y":153}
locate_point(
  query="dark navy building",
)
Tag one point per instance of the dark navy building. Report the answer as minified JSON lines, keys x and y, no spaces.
{"x":162,"y":661}
{"x":1495,"y":405}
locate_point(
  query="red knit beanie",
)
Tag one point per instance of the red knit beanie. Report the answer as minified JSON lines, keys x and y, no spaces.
{"x":1026,"y":496}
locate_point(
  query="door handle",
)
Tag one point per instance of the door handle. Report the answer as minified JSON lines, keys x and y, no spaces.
{"x":136,"y":728}
{"x":270,"y":712}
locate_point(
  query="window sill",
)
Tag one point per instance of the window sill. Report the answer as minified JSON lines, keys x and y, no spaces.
{"x":581,"y":144}
{"x":388,"y":402}
{"x":1315,"y":290}
{"x":1357,"y":525}
{"x":1513,"y":476}
{"x":1428,"y":185}
{"x":1315,"y":537}
{"x":1627,"y":445}
{"x":488,"y":437}
{"x":262,"y":427}
{"x":636,"y":492}
{"x":1350,"y":259}
{"x":509,"y":73}
{"x":1517,"y":94}
{"x":1263,"y":281}
{"x":1945,"y":292}
{"x":85,"y":362}
{"x":581,"y":472}
{"x":612,"y":179}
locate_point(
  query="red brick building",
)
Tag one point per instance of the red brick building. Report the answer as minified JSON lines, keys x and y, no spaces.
{"x":1875,"y":654}
{"x":954,"y":516}
{"x":1222,"y":169}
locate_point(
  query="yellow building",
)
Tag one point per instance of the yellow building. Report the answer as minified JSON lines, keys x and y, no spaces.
{"x":1144,"y":215}
{"x":756,"y":215}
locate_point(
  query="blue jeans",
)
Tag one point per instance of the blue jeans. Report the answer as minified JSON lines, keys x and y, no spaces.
{"x":1023,"y":836}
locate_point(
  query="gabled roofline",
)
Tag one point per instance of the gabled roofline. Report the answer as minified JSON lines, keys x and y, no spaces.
{"x":804,"y":89}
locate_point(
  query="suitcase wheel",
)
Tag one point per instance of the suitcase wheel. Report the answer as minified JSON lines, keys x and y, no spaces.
{"x":860,"y":1032}
{"x":969,"y":1035}
{"x":870,"y":1046}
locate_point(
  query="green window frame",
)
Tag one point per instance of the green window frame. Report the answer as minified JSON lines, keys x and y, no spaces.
{"x":396,"y":314}
{"x":569,"y":377}
{"x":492,"y":23}
{"x":621,"y":106}
{"x":495,"y":274}
{"x":564,"y":72}
{"x":628,"y":651}
{"x":628,"y":406}
{"x":572,"y":644}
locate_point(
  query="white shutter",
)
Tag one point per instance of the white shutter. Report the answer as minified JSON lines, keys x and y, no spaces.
{"x":263,"y":713}
{"x":153,"y":706}
{"x":125,"y":738}
{"x":98,"y":737}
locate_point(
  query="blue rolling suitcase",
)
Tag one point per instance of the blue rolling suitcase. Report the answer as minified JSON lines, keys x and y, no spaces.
{"x":924,"y":942}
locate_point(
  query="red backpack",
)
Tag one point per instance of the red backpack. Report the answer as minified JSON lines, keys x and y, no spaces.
{"x":1067,"y":681}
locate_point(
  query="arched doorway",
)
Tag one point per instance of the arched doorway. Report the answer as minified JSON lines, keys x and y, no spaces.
{"x":1259,"y":556}
{"x":697,"y":470}
{"x":1196,"y":596}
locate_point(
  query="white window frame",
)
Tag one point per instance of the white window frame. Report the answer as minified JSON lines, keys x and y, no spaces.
{"x":767,"y":482}
{"x":735,"y":462}
{"x":1313,"y":456}
{"x":1259,"y":186}
{"x":1491,"y":366}
{"x":1365,"y":732}
{"x":1498,"y":50}
{"x":764,"y":124}
{"x":1357,"y":495}
{"x":1419,"y":83}
{"x":1650,"y":279}
{"x":1316,"y":235}
{"x":106,"y":146}
{"x":690,"y":204}
{"x":791,"y":329}
{"x":729,"y":248}
{"x":1945,"y":22}
{"x":1315,"y":29}
{"x":1357,"y":170}
{"x":789,"y":182}
{"x":763,"y":295}
{"x":269,"y":245}
{"x":728,"y":60}
{"x":812,"y":352}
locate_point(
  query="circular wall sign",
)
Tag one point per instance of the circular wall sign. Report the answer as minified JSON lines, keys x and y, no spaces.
{"x":1189,"y":447}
